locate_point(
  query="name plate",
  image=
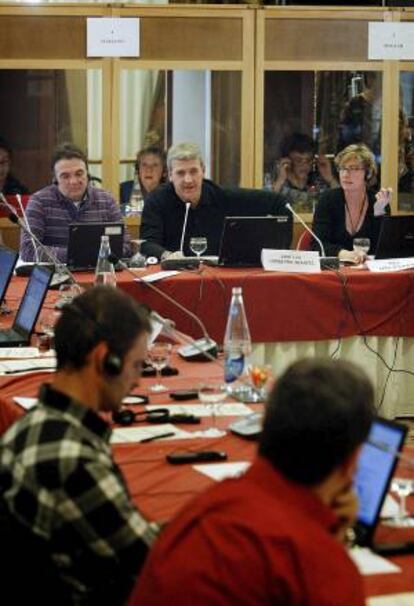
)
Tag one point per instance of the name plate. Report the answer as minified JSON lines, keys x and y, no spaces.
{"x":390,"y":40}
{"x":299,"y":261}
{"x":390,"y":264}
{"x":113,"y":37}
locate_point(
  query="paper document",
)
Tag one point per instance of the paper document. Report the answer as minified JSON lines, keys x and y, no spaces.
{"x":24,"y":352}
{"x":17,"y":366}
{"x":369,"y":562}
{"x":221,"y":471}
{"x":137,"y":434}
{"x":206,"y":410}
{"x":394,"y":599}
{"x":26,"y":403}
{"x":390,"y":264}
{"x":159,"y":275}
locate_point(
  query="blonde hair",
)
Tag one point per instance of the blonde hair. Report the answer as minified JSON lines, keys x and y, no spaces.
{"x":361,"y":153}
{"x":184,"y":151}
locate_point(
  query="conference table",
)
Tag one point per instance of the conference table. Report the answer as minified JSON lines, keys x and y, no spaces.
{"x":352,"y":313}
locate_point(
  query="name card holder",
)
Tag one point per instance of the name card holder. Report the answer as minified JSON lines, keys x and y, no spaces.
{"x":297,"y":261}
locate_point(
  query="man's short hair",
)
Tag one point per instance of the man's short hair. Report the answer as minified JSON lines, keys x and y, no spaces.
{"x":298,"y":142}
{"x":68,"y":151}
{"x":318,"y":413}
{"x":184,"y":151}
{"x":100,"y":314}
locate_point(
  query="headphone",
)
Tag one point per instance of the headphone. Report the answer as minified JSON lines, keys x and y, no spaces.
{"x":126,"y":416}
{"x":112,"y":363}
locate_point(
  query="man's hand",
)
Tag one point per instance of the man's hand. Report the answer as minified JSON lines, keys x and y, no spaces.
{"x":345,"y":506}
{"x":282,"y":168}
{"x":325,"y":170}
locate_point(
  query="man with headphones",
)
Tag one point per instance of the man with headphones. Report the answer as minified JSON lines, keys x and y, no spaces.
{"x":353,"y":210}
{"x":70,"y":198}
{"x":58,"y":481}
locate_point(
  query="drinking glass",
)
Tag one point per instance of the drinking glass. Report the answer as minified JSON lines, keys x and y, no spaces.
{"x":402,"y":487}
{"x":198,"y":245}
{"x":361,"y":245}
{"x":211,"y":392}
{"x":159,"y":356}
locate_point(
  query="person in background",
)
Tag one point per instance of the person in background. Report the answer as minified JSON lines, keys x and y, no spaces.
{"x":68,"y":199}
{"x":150,"y":172}
{"x":8,"y":183}
{"x":190,"y":205}
{"x":295,"y":176}
{"x":59,"y":485}
{"x":353,"y":210}
{"x":275,"y":535}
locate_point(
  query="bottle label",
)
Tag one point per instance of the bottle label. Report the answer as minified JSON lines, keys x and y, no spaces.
{"x":233,"y":368}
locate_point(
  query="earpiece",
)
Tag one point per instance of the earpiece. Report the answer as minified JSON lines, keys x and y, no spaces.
{"x":112,"y":365}
{"x":368,"y":175}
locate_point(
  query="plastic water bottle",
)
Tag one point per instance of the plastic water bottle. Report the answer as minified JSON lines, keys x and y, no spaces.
{"x":136,"y":200}
{"x":105,"y":271}
{"x":237,"y":341}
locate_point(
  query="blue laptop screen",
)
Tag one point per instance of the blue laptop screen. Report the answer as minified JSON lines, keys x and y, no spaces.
{"x":32,"y":300}
{"x":375,"y":468}
{"x":7,"y":262}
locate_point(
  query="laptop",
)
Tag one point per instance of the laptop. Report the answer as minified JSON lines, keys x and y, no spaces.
{"x":396,"y":238}
{"x":243,"y":239}
{"x":29,"y":309}
{"x":85,"y":241}
{"x":376,"y":465}
{"x":8,"y":259}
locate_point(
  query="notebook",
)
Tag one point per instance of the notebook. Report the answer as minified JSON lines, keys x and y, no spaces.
{"x":85,"y":240}
{"x":8,"y":259}
{"x":396,"y":238}
{"x":243,"y":239}
{"x":376,"y":465}
{"x":29,"y":309}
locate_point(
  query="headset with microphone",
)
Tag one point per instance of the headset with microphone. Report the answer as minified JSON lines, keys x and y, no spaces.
{"x":125,"y":417}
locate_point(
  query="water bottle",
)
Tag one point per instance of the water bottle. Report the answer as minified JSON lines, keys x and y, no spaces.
{"x":136,"y":200}
{"x":105,"y":271}
{"x":237,"y":342}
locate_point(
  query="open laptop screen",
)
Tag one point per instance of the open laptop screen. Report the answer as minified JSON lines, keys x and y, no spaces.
{"x":8,"y":260}
{"x":32,"y":301}
{"x":85,"y":240}
{"x":396,"y":238}
{"x":376,"y":466}
{"x":243,"y":239}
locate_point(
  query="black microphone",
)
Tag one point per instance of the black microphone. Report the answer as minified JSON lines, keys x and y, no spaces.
{"x":326,"y":262}
{"x":58,"y":265}
{"x":198,"y":348}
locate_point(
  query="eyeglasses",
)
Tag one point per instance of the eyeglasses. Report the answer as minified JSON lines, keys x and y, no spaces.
{"x":350,"y":169}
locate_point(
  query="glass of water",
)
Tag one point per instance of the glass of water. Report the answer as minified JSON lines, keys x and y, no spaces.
{"x":361,"y":245}
{"x":198,"y":245}
{"x":211,"y":392}
{"x":402,"y":487}
{"x":159,"y":356}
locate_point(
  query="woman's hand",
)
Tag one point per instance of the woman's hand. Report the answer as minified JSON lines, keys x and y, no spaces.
{"x":352,"y":256}
{"x":383,"y":199}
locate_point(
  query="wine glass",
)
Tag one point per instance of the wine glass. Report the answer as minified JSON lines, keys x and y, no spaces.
{"x":361,"y":245}
{"x":198,"y":245}
{"x":159,"y":355}
{"x":403,"y":487}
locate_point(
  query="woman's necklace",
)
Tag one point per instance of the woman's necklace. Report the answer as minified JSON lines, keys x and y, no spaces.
{"x":355,"y":226}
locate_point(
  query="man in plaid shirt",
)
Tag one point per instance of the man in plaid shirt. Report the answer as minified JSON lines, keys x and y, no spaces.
{"x":58,"y":481}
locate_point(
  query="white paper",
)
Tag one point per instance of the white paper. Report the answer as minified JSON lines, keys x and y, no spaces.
{"x":206,"y":410}
{"x":390,"y":507}
{"x":17,"y":366}
{"x":369,"y":562}
{"x":394,"y":599}
{"x":113,"y":37}
{"x":136,"y":434}
{"x":378,"y":265}
{"x":159,"y":275}
{"x":303,"y":261}
{"x":221,"y":471}
{"x":26,"y":403}
{"x":24,"y":352}
{"x":390,"y":40}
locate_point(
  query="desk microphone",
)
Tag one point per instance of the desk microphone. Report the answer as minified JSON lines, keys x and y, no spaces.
{"x":60,"y":268}
{"x":202,"y":348}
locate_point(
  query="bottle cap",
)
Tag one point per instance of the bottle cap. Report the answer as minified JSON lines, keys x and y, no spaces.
{"x":237,"y":290}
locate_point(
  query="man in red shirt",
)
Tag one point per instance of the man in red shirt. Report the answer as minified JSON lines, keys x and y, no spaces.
{"x":275,"y":535}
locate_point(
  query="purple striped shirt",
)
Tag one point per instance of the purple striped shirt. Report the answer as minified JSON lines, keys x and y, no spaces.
{"x":49,"y":213}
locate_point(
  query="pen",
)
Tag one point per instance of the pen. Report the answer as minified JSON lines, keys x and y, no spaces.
{"x":162,"y":435}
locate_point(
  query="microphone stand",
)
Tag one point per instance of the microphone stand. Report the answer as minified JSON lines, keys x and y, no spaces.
{"x":60,"y":268}
{"x":206,"y":345}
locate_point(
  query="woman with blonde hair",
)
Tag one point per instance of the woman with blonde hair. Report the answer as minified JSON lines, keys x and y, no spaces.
{"x":353,"y":210}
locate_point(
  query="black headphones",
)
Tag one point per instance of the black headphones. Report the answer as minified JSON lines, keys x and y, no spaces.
{"x":125,"y":417}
